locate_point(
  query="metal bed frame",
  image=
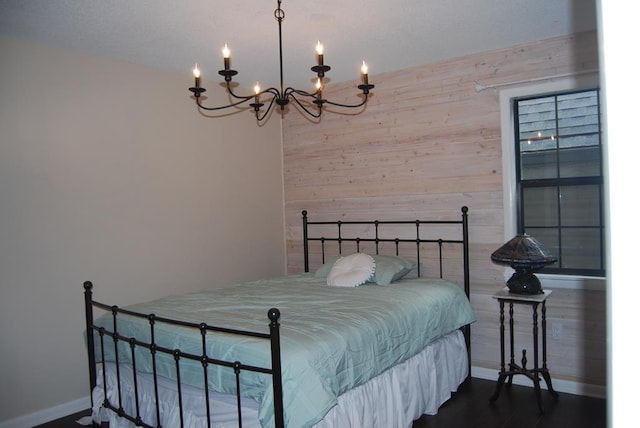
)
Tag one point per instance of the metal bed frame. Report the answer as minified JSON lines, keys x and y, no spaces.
{"x":134,"y":345}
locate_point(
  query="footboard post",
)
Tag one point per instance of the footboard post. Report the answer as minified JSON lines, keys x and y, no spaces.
{"x":276,"y":367}
{"x":88,"y":309}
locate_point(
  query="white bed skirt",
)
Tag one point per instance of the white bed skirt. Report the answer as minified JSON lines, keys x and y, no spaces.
{"x":394,"y":398}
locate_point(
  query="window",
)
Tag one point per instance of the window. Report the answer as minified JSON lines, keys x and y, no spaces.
{"x":559,"y":181}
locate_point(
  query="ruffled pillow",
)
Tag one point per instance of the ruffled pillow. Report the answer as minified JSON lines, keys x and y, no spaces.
{"x":351,"y":271}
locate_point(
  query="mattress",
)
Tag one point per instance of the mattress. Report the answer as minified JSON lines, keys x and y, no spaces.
{"x":332,"y":339}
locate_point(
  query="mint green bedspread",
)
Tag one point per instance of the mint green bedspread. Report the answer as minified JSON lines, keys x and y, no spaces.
{"x":332,"y":339}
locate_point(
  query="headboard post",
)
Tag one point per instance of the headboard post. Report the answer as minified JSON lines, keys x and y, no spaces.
{"x":305,"y":240}
{"x":465,"y":240}
{"x":418,"y":246}
{"x":467,"y":289}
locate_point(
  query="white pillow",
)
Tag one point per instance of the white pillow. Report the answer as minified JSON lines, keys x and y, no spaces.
{"x":351,"y":271}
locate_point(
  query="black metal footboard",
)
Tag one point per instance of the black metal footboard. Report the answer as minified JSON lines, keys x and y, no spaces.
{"x":134,"y":346}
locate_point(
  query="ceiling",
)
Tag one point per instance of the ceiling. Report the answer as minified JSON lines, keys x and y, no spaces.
{"x":389,"y":35}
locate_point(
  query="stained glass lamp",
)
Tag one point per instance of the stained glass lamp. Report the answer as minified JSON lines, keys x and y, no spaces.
{"x":525,"y":255}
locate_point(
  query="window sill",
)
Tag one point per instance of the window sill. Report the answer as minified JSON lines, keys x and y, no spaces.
{"x":572,"y":282}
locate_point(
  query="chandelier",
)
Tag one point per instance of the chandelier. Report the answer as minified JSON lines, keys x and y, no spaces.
{"x":311,"y":103}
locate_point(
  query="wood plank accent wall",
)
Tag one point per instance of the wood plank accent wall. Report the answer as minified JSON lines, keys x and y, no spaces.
{"x":427,"y":144}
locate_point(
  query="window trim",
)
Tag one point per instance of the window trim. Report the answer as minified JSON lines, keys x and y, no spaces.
{"x":509,"y":190}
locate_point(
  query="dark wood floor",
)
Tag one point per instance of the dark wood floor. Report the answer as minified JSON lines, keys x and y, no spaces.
{"x":516,"y":407}
{"x":469,"y":407}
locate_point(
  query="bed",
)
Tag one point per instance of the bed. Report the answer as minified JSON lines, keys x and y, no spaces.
{"x":363,"y":339}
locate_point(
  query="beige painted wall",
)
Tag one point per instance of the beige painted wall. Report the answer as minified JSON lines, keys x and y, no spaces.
{"x":427,"y":144}
{"x":109,"y":174}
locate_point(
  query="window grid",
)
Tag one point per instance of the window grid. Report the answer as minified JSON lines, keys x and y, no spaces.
{"x":553,"y":132}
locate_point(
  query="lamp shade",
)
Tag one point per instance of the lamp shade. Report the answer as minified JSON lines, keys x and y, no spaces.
{"x":526,"y":255}
{"x":523,"y":251}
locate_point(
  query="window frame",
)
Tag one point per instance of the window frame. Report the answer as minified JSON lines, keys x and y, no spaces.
{"x":506,"y":92}
{"x":558,"y":182}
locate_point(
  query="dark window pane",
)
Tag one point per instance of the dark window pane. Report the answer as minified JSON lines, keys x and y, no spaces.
{"x":538,"y":165}
{"x":582,"y":140}
{"x":581,"y":249}
{"x":537,"y":114}
{"x":580,"y":206}
{"x":540,"y":205}
{"x":578,"y":113}
{"x":580,"y":162}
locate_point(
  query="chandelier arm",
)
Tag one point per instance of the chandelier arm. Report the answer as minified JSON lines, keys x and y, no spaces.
{"x":242,"y":101}
{"x":274,"y":91}
{"x":291,"y":90}
{"x":324,"y":101}
{"x":303,"y":107}
{"x":234,"y":95}
{"x":348,"y":105}
{"x":267,"y":110}
{"x":314,"y":95}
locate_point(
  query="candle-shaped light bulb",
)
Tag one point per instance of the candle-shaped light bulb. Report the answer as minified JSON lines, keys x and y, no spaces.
{"x":319,"y":87}
{"x":365,"y":73}
{"x":256,"y":89}
{"x":320,"y":52}
{"x":226,"y":54}
{"x":364,"y":69}
{"x":196,"y":74}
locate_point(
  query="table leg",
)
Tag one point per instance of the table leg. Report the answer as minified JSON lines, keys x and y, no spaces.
{"x":502,"y":376}
{"x":545,"y":371}
{"x":536,"y":371}
{"x":512,"y":362}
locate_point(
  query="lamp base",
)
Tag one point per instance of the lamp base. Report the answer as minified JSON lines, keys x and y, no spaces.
{"x":524,"y":282}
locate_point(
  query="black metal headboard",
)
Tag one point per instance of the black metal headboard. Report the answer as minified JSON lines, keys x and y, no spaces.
{"x":459,"y":228}
{"x":338,"y":235}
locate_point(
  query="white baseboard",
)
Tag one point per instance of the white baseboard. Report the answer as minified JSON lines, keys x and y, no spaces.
{"x":47,"y":415}
{"x":559,"y":385}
